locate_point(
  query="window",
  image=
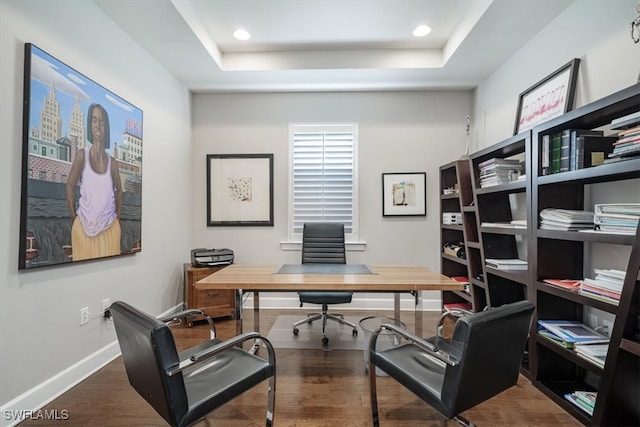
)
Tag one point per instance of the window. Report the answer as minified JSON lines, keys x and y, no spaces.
{"x":323,"y":177}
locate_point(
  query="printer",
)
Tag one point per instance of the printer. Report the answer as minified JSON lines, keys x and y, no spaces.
{"x":202,"y":257}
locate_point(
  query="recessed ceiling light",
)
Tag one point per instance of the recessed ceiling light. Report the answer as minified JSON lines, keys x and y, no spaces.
{"x":422,"y":31}
{"x":241,"y":34}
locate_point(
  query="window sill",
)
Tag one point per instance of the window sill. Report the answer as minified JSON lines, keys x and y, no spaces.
{"x":297,"y":246}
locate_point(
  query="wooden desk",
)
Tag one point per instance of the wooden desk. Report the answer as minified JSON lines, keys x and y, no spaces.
{"x":387,"y":278}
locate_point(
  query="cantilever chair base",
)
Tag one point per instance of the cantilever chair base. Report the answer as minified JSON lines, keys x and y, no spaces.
{"x":481,"y":360}
{"x":336,"y":317}
{"x":184,"y":387}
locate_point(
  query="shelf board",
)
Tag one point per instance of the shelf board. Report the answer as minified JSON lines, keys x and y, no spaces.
{"x":576,"y":236}
{"x":576,"y":297}
{"x":570,"y":355}
{"x":512,"y":187}
{"x":520,"y":277}
{"x":478,"y":283}
{"x":452,"y":227}
{"x":504,"y":230}
{"x":632,"y":347}
{"x":556,"y":391}
{"x":469,"y":209}
{"x":628,"y":169}
{"x":475,"y":245}
{"x":450,"y":196}
{"x":463,"y":295}
{"x":454,"y":258}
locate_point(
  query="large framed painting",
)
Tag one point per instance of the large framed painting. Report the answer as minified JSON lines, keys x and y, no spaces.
{"x":404,"y":194}
{"x":239,"y":189}
{"x":81,"y":167}
{"x":549,"y":98}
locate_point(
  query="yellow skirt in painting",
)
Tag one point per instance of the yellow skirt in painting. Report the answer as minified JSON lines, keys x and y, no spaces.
{"x":104,"y":244}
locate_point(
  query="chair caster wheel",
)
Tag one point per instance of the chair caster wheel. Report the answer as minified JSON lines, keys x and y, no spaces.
{"x":296,"y":331}
{"x":355,"y":332}
{"x":325,"y":341}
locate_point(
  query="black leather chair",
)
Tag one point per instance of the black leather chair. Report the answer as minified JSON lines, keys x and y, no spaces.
{"x":323,"y":243}
{"x":481,"y":360}
{"x":184,"y":387}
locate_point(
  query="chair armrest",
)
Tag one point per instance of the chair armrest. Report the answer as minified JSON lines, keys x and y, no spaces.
{"x":202,"y":356}
{"x":178,"y":316}
{"x":427,"y":346}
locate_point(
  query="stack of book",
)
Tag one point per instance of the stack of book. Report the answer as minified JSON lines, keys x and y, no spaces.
{"x":627,"y":146}
{"x":594,"y":353}
{"x":569,"y":284}
{"x":620,"y":218}
{"x":568,"y":333}
{"x":585,"y":400}
{"x":506,"y":264}
{"x":566,"y":219}
{"x":574,"y":149}
{"x":499,"y":172}
{"x":606,"y":286}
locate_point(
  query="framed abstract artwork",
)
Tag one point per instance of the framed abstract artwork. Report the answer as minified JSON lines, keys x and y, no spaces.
{"x":404,"y":194}
{"x":81,"y":190}
{"x":549,"y":98}
{"x":239,"y":189}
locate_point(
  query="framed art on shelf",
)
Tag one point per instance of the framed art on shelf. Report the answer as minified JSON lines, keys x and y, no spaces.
{"x":81,"y":190}
{"x":239,"y":189}
{"x":549,"y":98}
{"x":404,"y":194}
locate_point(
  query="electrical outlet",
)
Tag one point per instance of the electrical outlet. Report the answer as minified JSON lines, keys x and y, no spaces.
{"x":106,"y":308}
{"x":84,"y":315}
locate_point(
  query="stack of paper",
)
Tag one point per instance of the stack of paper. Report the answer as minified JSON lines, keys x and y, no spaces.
{"x":595,"y":353}
{"x":606,"y":286}
{"x":506,"y":264}
{"x":571,"y":331}
{"x":499,"y":171}
{"x":565,"y":219}
{"x":585,"y":400}
{"x":628,"y":144}
{"x":617,"y":217}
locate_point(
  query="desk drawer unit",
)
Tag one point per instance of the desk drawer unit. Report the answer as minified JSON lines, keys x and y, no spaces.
{"x":214,"y":302}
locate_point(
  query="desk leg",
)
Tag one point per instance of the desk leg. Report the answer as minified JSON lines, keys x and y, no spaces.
{"x":256,"y":320}
{"x":396,"y":305}
{"x":256,"y":311}
{"x":418,"y":310}
{"x":237,"y":315}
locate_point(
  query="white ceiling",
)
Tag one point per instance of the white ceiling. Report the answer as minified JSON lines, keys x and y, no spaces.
{"x":331,"y":45}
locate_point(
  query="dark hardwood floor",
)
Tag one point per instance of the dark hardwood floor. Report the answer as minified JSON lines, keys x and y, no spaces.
{"x":313,"y":388}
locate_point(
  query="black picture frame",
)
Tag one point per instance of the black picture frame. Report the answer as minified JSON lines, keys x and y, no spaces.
{"x":59,"y":107}
{"x":240,"y":190}
{"x":404,"y":194}
{"x":549,"y":98}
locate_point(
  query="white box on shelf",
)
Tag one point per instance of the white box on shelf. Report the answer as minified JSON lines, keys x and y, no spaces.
{"x":451,"y":218}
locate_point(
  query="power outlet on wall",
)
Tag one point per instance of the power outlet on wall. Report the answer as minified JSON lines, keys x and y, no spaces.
{"x":84,"y":315}
{"x":106,"y":303}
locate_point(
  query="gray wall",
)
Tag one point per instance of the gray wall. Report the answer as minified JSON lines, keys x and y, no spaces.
{"x":596,"y":32}
{"x":42,"y":342}
{"x":398,"y":132}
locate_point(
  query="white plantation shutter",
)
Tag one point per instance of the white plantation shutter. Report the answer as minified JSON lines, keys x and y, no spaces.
{"x":323,"y":175}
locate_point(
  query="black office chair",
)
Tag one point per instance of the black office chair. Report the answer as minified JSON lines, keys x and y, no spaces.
{"x":481,"y":360}
{"x":323,"y":243}
{"x":184,"y":387}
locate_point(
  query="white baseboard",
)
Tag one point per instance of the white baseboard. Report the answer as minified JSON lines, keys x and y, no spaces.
{"x":370,"y":302}
{"x":30,"y":402}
